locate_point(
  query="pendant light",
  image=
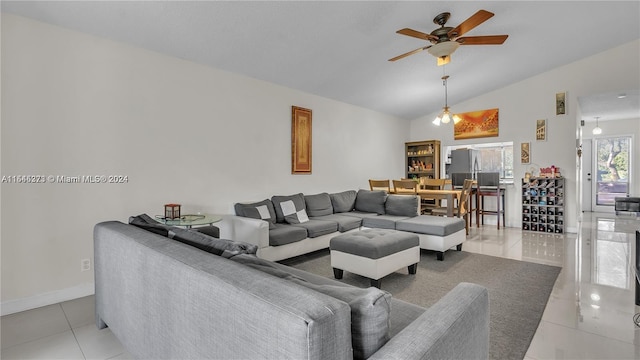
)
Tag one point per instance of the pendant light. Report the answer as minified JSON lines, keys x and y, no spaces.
{"x":597,"y":130}
{"x":446,"y":116}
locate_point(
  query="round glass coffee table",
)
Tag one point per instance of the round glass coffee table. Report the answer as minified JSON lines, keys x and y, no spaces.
{"x":190,"y":220}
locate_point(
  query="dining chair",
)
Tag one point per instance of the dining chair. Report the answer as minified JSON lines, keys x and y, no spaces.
{"x":427,"y":205}
{"x":462,"y":211}
{"x":457,"y":182}
{"x":380,"y":185}
{"x":405,"y":186}
{"x":489,"y":186}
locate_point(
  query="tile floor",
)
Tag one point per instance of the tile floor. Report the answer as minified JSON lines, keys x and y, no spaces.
{"x":589,"y":314}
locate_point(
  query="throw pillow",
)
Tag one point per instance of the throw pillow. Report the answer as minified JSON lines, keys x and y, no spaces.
{"x":262,"y":210}
{"x":318,"y":205}
{"x":402,"y":205}
{"x":344,"y":201}
{"x":293,"y":215}
{"x":371,"y":201}
{"x":370,"y":307}
{"x":298,"y":201}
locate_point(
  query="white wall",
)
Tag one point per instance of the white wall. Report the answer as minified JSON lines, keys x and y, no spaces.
{"x":74,"y":104}
{"x":522,"y":103}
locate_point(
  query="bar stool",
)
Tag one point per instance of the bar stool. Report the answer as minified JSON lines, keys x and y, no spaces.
{"x":489,"y":186}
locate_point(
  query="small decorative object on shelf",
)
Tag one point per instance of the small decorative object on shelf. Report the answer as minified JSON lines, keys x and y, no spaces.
{"x":171,"y":211}
{"x":543,"y":202}
{"x":550,"y":172}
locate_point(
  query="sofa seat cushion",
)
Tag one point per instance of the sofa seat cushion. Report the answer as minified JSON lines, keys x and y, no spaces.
{"x":371,"y":201}
{"x":317,"y":228}
{"x":374,"y":243}
{"x":283,"y":234}
{"x":382,"y":221}
{"x":370,"y":307}
{"x":431,"y":225}
{"x":345,"y":223}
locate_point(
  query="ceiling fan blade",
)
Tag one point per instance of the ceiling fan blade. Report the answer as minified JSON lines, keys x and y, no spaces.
{"x":475,"y":20}
{"x":409,"y":53}
{"x":416,"y":34}
{"x":483,"y":40}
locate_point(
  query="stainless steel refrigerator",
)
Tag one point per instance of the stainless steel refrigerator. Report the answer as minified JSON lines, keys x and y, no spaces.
{"x":464,"y":161}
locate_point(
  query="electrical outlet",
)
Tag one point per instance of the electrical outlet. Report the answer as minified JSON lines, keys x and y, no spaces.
{"x":85,"y":265}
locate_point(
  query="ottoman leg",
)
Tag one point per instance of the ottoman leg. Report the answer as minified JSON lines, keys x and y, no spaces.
{"x":413,"y":268}
{"x":376,"y":283}
{"x":440,"y":255}
{"x":459,"y":247}
{"x":337,"y":273}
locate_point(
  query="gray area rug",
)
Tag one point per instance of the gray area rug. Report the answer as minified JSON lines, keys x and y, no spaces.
{"x":518,"y":290}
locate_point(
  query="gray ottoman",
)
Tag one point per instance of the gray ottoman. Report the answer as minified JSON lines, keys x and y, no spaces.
{"x":436,"y":232}
{"x":374,"y":253}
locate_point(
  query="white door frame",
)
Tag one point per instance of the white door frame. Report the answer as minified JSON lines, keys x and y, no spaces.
{"x":586,"y":176}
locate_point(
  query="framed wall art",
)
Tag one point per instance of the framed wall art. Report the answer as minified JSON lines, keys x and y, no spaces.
{"x":476,"y":124}
{"x":541,"y":130}
{"x":561,"y":103}
{"x":525,"y":153}
{"x":300,"y":140}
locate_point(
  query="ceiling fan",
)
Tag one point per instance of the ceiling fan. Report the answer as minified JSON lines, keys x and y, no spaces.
{"x":445,"y":40}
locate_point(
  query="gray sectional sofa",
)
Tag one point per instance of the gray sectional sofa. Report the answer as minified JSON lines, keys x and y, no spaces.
{"x":214,"y":299}
{"x":288,"y":226}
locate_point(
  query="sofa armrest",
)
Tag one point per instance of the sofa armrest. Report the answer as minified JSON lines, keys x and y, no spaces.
{"x":239,"y":228}
{"x":456,"y":327}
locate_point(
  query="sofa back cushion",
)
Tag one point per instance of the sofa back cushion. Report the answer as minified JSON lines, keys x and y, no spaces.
{"x":262,"y":210}
{"x":402,"y":205}
{"x":370,"y":307}
{"x":318,"y":205}
{"x":371,"y":201}
{"x":279,"y":200}
{"x":344,"y":201}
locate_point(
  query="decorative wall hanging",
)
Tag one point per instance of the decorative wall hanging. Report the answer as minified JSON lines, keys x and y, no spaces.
{"x":300,"y":140}
{"x":561,"y":104}
{"x":525,"y":153}
{"x":541,"y":130}
{"x":476,"y":124}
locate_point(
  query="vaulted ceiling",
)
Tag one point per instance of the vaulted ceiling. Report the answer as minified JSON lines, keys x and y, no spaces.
{"x":339,"y":49}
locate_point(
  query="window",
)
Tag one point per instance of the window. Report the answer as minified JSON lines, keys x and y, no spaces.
{"x":494,"y":157}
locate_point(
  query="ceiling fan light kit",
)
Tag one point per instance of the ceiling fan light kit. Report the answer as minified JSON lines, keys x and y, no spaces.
{"x":443,"y":49}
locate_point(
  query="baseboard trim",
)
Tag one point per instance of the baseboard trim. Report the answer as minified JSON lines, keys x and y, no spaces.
{"x":40,"y":300}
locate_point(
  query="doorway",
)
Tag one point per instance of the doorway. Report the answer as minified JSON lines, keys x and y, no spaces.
{"x":610,"y":171}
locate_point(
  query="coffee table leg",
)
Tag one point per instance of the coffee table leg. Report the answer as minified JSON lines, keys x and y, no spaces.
{"x":337,"y":273}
